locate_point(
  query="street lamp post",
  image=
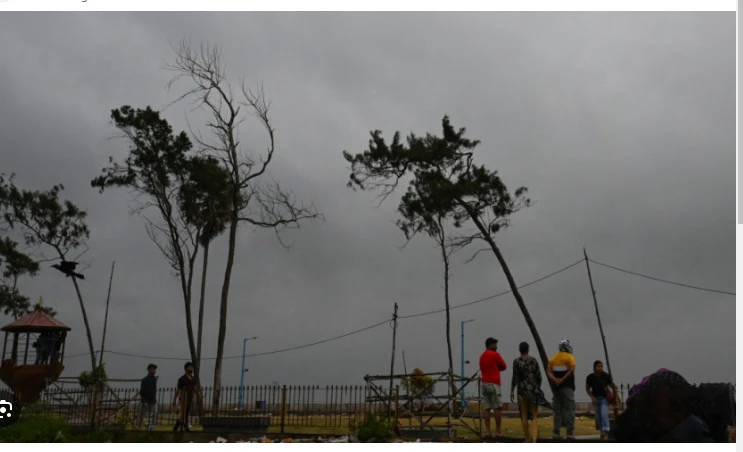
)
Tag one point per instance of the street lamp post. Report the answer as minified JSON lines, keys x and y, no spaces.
{"x":242,"y":373}
{"x":463,"y":376}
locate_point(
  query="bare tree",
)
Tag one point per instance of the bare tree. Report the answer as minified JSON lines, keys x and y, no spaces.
{"x":257,"y":202}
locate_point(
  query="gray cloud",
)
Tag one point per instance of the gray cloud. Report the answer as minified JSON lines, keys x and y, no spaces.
{"x":621,"y":125}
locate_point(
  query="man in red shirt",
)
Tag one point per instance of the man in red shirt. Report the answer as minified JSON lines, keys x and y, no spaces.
{"x":491,"y":365}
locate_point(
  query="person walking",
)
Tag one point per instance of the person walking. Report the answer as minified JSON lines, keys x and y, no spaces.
{"x":148,"y":394}
{"x":186,"y":389}
{"x":561,"y":373}
{"x":601,"y":389}
{"x":526,"y":383}
{"x":491,"y":365}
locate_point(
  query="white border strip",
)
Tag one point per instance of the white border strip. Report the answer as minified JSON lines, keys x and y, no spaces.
{"x":359,"y":5}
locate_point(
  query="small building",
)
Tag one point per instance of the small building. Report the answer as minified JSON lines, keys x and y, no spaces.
{"x":33,"y":354}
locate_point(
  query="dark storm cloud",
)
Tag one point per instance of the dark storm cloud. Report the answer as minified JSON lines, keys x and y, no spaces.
{"x":621,"y":125}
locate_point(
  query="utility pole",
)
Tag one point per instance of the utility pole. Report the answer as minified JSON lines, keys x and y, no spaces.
{"x":242,"y":373}
{"x":598,"y":317}
{"x":464,"y":403}
{"x":105,"y":318}
{"x":392,"y":365}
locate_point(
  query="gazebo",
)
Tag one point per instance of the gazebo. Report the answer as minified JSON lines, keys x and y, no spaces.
{"x":33,"y":354}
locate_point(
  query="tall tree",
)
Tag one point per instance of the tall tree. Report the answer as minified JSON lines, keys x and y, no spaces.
{"x":255,"y":201}
{"x":417,"y":218}
{"x":155,"y":170}
{"x":46,"y":221}
{"x":446,"y":183}
{"x":205,"y":199}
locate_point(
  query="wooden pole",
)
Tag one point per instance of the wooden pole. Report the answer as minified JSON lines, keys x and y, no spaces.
{"x":407,"y":387}
{"x":283,"y":407}
{"x":392,"y":365}
{"x":601,"y":330}
{"x":105,"y":319}
{"x":598,"y":316}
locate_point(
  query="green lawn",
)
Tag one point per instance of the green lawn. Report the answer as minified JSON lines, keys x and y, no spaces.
{"x":511,"y":427}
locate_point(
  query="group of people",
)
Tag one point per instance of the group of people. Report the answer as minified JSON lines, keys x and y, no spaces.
{"x":48,"y":347}
{"x":663,"y":407}
{"x":187,"y":393}
{"x":526,"y":389}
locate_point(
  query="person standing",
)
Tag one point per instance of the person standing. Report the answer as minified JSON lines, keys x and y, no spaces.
{"x":561,"y":373}
{"x":185,"y":391}
{"x":148,"y":394}
{"x":491,"y":365}
{"x":526,"y":382}
{"x":600,"y":388}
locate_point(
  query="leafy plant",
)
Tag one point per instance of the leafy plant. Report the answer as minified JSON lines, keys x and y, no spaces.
{"x":95,"y":378}
{"x":372,"y":428}
{"x":36,"y":429}
{"x":419,"y":386}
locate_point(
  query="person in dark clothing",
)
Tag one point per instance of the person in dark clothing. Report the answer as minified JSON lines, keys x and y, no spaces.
{"x":186,"y":389}
{"x":148,"y":394}
{"x":526,"y":384}
{"x":45,"y":346}
{"x":668,"y":409}
{"x":57,"y":349}
{"x":599,"y":386}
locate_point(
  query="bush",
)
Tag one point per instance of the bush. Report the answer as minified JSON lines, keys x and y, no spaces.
{"x":36,"y":429}
{"x":373,"y":428}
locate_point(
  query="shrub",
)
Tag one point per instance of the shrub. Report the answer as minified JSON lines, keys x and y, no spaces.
{"x":36,"y":429}
{"x":372,"y":428}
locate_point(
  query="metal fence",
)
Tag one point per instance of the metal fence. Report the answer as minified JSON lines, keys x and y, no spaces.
{"x":310,"y":409}
{"x":325,"y":408}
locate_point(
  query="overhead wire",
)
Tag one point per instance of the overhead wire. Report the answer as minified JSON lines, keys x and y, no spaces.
{"x":411,"y":316}
{"x":335,"y":338}
{"x":688,"y":286}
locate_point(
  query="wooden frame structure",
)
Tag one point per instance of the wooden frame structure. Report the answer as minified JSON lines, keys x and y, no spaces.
{"x":403,"y":404}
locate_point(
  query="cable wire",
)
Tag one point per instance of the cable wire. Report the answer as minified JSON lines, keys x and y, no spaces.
{"x":335,"y":338}
{"x":421,"y":314}
{"x":412,"y":316}
{"x":662,"y":280}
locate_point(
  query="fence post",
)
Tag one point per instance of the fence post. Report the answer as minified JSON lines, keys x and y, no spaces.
{"x":397,"y":406}
{"x":283,"y":407}
{"x":93,"y":406}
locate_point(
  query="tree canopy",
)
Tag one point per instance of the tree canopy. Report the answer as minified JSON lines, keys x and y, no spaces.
{"x":446,"y":185}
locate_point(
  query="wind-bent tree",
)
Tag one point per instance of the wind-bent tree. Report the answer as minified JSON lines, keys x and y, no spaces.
{"x":255,"y":201}
{"x":46,"y":221}
{"x":155,"y":170}
{"x":205,"y":199}
{"x":446,"y":183}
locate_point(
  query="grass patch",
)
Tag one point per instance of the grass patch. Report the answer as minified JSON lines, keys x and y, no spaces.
{"x":340,"y":426}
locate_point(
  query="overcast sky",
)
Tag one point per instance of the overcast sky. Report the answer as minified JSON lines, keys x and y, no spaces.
{"x":622,"y":126}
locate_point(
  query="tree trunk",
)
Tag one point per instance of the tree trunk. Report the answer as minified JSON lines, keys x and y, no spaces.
{"x":512,"y":284}
{"x":85,"y":321}
{"x":520,"y":302}
{"x":187,"y":288}
{"x":199,"y":331}
{"x":223,"y":314}
{"x":445,"y":257}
